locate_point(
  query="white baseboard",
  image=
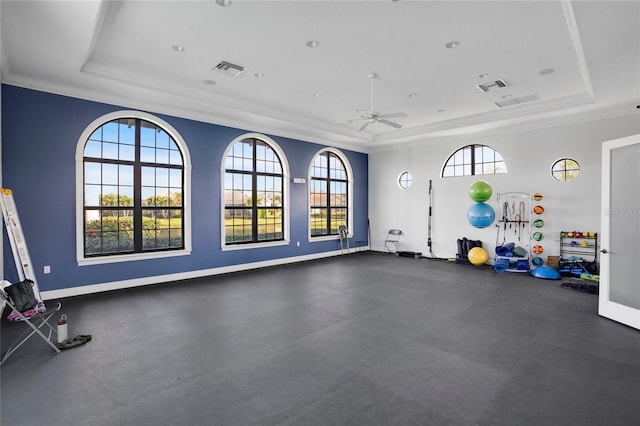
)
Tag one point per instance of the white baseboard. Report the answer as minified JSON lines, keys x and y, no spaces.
{"x":157,"y":279}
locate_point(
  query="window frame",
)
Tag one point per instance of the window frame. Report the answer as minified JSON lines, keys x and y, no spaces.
{"x":564,"y":171}
{"x":83,"y":260}
{"x":473,"y":163}
{"x":349,"y":181}
{"x":285,"y":195}
{"x":405,"y":180}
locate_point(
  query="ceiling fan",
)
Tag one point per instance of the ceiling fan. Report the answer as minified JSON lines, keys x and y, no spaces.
{"x":375,"y":117}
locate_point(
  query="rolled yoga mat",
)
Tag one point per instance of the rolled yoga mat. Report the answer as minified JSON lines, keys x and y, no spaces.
{"x":505,"y":249}
{"x":501,"y":265}
{"x":519,"y":252}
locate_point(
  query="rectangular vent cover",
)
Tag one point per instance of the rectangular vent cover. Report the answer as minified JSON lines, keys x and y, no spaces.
{"x":517,"y":101}
{"x":229,"y":68}
{"x":492,"y":86}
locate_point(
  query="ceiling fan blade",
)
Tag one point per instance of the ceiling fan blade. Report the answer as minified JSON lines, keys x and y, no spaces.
{"x":364,"y":126}
{"x":389,"y":123}
{"x":357,"y":119}
{"x":393,"y":115}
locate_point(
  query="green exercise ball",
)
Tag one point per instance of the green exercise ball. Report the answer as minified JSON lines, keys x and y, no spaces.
{"x":480,"y":191}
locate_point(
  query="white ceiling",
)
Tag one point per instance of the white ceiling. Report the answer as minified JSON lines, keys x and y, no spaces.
{"x":121,"y":53}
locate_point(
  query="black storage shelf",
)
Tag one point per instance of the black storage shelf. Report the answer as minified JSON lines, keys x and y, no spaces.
{"x":578,"y":252}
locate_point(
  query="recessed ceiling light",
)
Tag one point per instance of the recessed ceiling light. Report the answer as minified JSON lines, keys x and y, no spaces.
{"x":546,"y":71}
{"x":223,"y":2}
{"x":452,"y":44}
{"x":313,"y":44}
{"x":209,"y":82}
{"x":483,"y":75}
{"x":413,"y":95}
{"x":258,"y":75}
{"x":316,"y":95}
{"x":178,"y":48}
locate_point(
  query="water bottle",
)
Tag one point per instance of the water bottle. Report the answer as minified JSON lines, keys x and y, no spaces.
{"x":63,"y":334}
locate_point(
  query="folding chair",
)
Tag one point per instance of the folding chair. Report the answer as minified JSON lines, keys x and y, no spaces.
{"x":392,"y":241}
{"x":35,"y":323}
{"x":344,"y":237}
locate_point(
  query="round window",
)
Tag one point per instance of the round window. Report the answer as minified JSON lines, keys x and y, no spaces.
{"x":404,"y":180}
{"x":565,"y":169}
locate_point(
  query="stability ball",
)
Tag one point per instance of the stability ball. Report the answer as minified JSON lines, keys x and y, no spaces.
{"x":481,"y":215}
{"x":478,"y":256}
{"x":480,"y":191}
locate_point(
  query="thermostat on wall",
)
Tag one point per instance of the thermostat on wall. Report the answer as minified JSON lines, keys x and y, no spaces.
{"x":299,"y":180}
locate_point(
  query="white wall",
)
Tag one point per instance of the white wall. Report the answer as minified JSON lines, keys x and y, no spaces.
{"x":569,"y":206}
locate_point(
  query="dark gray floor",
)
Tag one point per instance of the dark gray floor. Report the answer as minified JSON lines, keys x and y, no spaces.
{"x":363,"y":339}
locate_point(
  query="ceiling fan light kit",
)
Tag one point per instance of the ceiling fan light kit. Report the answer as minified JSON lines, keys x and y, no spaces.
{"x":375,"y":117}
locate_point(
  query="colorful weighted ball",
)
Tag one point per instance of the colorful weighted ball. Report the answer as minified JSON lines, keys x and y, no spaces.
{"x":538,"y":223}
{"x":537,"y":196}
{"x":481,"y":215}
{"x":585,"y":243}
{"x":480,"y":191}
{"x":538,"y":209}
{"x":478,"y":256}
{"x":537,"y":249}
{"x":538,"y":236}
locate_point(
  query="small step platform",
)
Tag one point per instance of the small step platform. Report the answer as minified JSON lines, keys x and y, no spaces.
{"x":414,"y":254}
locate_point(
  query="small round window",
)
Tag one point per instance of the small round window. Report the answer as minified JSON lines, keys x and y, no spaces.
{"x":404,"y":180}
{"x":565,"y":169}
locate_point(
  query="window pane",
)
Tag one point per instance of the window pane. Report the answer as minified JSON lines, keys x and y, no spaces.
{"x":110,"y":132}
{"x":127,"y":153}
{"x":92,"y":173}
{"x":93,"y":149}
{"x":110,"y":150}
{"x":127,"y":131}
{"x":147,"y":155}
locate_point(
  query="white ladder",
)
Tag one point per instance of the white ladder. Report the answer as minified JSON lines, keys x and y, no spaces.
{"x":18,"y":243}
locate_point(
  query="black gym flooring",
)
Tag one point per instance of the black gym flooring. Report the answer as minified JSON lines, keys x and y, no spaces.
{"x":360,"y":339}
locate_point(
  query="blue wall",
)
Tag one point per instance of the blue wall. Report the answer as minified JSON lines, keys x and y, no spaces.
{"x":40,"y":133}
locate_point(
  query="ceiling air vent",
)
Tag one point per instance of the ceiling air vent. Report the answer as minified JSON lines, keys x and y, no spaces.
{"x":492,"y":86}
{"x":229,"y":68}
{"x":517,"y":101}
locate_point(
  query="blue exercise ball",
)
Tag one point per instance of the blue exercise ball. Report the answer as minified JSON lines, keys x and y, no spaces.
{"x":481,"y":215}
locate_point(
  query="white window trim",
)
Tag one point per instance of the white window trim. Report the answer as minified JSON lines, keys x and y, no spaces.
{"x":186,"y":191}
{"x":349,"y":171}
{"x":285,"y":193}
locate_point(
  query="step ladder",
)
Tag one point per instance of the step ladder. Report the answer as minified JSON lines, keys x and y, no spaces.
{"x":344,"y":238}
{"x":18,"y":243}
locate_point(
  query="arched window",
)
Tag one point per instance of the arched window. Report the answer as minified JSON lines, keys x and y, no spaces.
{"x":330,"y":193}
{"x":473,"y":160}
{"x":254,"y":192}
{"x":133,"y":185}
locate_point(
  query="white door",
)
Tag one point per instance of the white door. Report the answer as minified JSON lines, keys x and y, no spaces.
{"x":620,"y":231}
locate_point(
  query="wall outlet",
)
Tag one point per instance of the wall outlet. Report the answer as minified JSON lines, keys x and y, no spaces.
{"x":47,"y":269}
{"x":298,"y":243}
